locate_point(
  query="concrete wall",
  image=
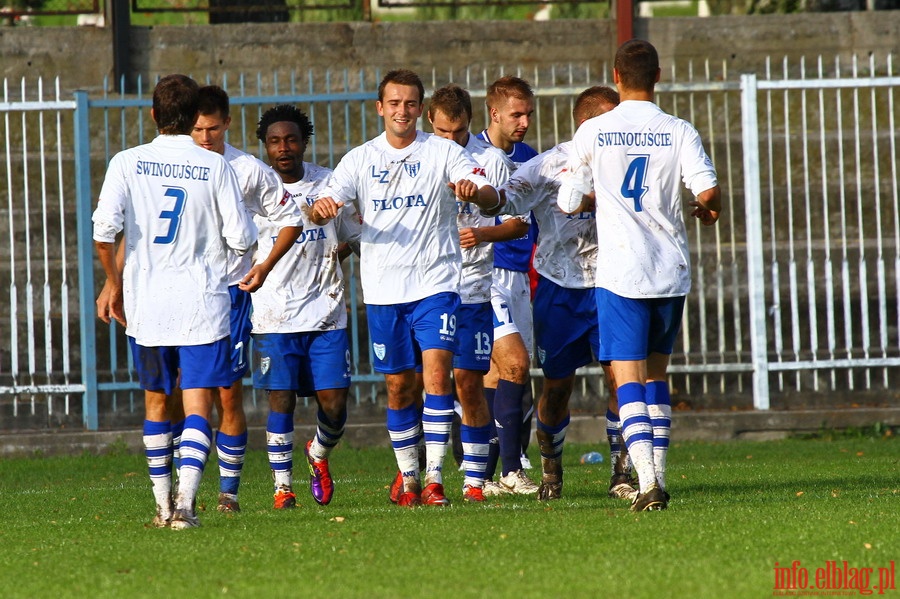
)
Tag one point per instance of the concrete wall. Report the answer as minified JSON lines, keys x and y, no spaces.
{"x":81,"y":57}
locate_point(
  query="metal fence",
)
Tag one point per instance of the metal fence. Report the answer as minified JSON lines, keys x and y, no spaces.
{"x":795,"y":297}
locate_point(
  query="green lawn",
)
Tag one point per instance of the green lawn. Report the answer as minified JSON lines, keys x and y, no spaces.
{"x":76,"y":527}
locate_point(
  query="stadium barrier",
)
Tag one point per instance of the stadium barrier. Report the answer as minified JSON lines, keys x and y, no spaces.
{"x":795,"y":296}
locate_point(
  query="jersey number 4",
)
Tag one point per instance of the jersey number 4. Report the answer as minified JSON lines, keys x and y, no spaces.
{"x":173,"y":215}
{"x":633,"y":184}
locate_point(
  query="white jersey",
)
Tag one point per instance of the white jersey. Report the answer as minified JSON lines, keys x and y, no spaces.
{"x":567,"y":246}
{"x":638,"y":156}
{"x":304,"y":292}
{"x":409,"y":248}
{"x":478,"y":262}
{"x":263,"y":195}
{"x":180,"y":207}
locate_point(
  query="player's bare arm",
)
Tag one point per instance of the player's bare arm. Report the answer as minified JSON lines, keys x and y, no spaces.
{"x":513,"y":228}
{"x":258,"y":273}
{"x":114,"y":306}
{"x":707,"y":205}
{"x":324,"y":210}
{"x":488,"y":198}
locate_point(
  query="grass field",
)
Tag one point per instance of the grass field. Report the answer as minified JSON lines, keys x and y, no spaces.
{"x":76,"y":527}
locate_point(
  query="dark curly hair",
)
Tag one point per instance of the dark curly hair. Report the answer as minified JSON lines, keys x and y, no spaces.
{"x":284,"y":112}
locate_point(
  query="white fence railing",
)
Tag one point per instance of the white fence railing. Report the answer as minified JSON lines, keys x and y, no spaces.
{"x":795,"y":291}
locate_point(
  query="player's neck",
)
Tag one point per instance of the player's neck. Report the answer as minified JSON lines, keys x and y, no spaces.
{"x":493,"y":135}
{"x":638,"y":95}
{"x":399,"y":142}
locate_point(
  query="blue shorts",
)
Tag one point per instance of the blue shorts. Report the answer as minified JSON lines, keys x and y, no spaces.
{"x":632,"y":329}
{"x":475,"y":332}
{"x":399,"y":331}
{"x":565,"y":328}
{"x":240,"y":332}
{"x":303,"y":362}
{"x":202,"y":366}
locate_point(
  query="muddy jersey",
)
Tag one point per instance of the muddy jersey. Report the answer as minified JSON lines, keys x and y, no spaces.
{"x":305,"y":290}
{"x":637,"y":157}
{"x":180,"y":208}
{"x":262,"y":193}
{"x":567,"y":247}
{"x":478,"y":262}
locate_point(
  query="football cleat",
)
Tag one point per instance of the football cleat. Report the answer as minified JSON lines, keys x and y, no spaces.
{"x":518,"y":483}
{"x":494,"y":489}
{"x":397,"y":488}
{"x":183,"y":519}
{"x":320,"y":484}
{"x":653,"y":499}
{"x":409,"y":499}
{"x":284,"y":500}
{"x":621,"y":486}
{"x":163,"y":516}
{"x":549,"y":490}
{"x":473,"y":494}
{"x":228,"y":503}
{"x":433,"y":494}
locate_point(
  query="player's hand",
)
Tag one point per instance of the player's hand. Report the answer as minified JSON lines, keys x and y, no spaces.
{"x":707,"y":217}
{"x":465,"y":190}
{"x":110,"y":304}
{"x":254,"y":278}
{"x":469,"y":238}
{"x":323,"y":210}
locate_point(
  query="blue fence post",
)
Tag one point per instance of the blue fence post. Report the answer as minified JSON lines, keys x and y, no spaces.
{"x":84,"y":204}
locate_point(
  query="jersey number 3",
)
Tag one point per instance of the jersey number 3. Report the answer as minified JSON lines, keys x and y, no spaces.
{"x":633,"y":184}
{"x":173,"y":215}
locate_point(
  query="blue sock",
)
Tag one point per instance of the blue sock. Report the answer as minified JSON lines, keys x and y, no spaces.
{"x":494,"y":449}
{"x":177,"y":430}
{"x":508,"y":419}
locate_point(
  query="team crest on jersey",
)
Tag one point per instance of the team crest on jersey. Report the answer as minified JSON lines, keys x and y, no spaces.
{"x":264,"y":364}
{"x":478,"y":171}
{"x":412,"y":168}
{"x":542,"y":354}
{"x":380,"y":350}
{"x":285,"y":198}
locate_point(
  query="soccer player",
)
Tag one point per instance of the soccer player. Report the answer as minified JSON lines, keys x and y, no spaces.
{"x":300,"y":318}
{"x":406,"y":184}
{"x":450,"y":113}
{"x":180,"y":208}
{"x":565,"y":311}
{"x":635,"y":159}
{"x":265,"y":198}
{"x":510,"y":102}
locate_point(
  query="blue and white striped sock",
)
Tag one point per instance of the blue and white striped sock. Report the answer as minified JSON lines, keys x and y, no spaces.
{"x":437,"y":418}
{"x":328,"y":434}
{"x":476,"y":444}
{"x":158,"y":450}
{"x":556,"y":435}
{"x":618,"y":457}
{"x":177,"y":428}
{"x":637,"y":431}
{"x":280,"y":447}
{"x":195,"y":445}
{"x":230,"y":450}
{"x":659,"y":407}
{"x":405,"y":429}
